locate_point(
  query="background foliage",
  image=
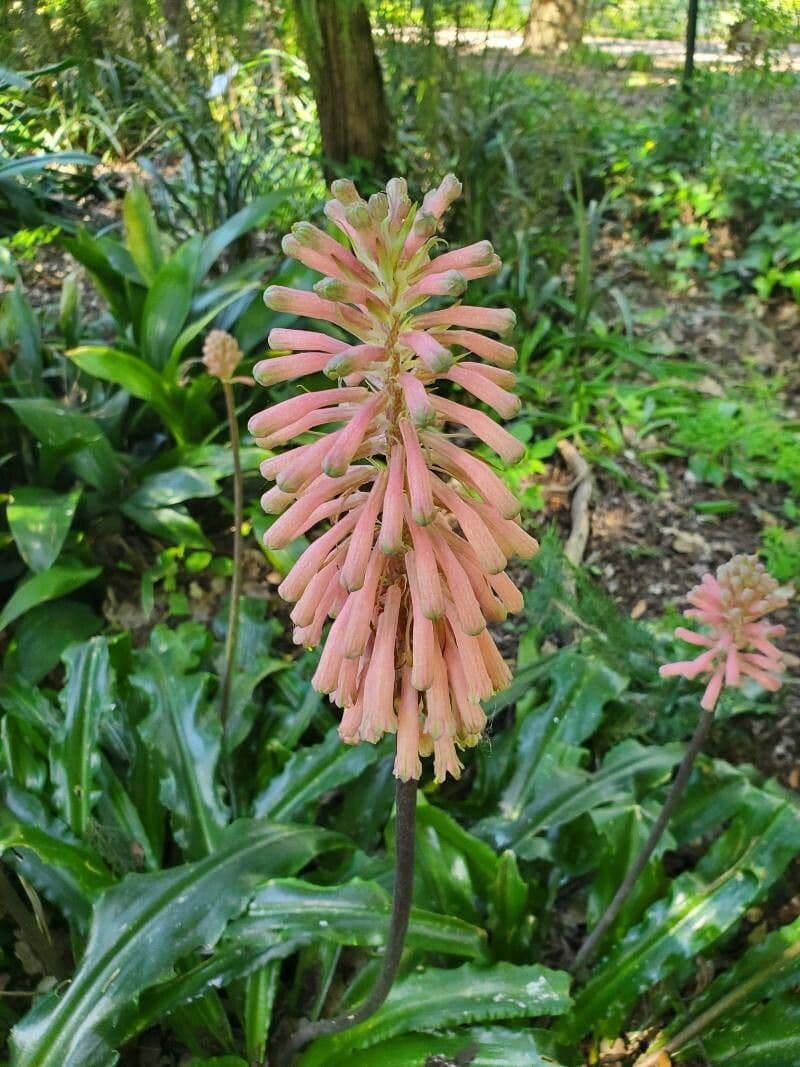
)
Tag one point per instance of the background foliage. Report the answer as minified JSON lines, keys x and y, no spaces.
{"x":149,"y":912}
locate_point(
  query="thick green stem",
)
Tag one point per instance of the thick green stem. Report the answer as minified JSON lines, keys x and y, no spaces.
{"x":405,"y":834}
{"x":592,"y":942}
{"x":232,"y":635}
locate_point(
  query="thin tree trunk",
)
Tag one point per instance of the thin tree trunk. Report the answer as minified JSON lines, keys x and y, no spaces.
{"x":346,"y":79}
{"x":555,"y":24}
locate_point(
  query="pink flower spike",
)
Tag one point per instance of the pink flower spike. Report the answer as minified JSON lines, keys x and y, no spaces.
{"x":418,"y":477}
{"x":732,"y":605}
{"x":409,"y":564}
{"x":390,"y":540}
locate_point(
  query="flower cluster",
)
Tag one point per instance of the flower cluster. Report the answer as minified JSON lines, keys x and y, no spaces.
{"x":733,"y":604}
{"x":412,"y":566}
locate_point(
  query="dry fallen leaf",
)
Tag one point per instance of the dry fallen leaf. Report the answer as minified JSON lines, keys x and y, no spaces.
{"x":638,"y":609}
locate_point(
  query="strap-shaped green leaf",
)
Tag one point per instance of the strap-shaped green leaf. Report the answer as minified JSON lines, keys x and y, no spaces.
{"x":39,"y":520}
{"x":141,"y":233}
{"x":312,"y":771}
{"x":59,"y":580}
{"x":86,"y":699}
{"x":702,"y":906}
{"x":356,"y":913}
{"x":183,"y":736}
{"x":479,"y":1046}
{"x":141,"y":928}
{"x":436,"y":999}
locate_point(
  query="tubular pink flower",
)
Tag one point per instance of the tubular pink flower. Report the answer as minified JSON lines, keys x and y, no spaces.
{"x":411,"y":569}
{"x":733,"y":605}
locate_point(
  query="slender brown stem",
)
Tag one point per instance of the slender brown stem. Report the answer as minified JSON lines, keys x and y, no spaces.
{"x":590,"y":945}
{"x":11,"y":902}
{"x":405,"y":834}
{"x":232,"y":635}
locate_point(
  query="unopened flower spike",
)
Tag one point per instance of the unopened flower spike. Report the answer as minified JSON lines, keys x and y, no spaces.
{"x":415,"y":532}
{"x":221,"y":357}
{"x":733,"y":606}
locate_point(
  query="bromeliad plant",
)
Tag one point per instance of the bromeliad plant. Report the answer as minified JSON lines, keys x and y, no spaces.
{"x":412,"y":568}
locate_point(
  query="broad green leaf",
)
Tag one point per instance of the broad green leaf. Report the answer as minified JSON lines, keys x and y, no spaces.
{"x":356,"y":913}
{"x":259,"y":1000}
{"x":59,"y":580}
{"x":480,"y":859}
{"x":435,"y":999}
{"x":173,"y":487}
{"x":135,"y":376}
{"x":729,"y":1010}
{"x":311,"y":772}
{"x":702,"y":906}
{"x":54,"y":424}
{"x":141,"y":233}
{"x":115,"y":808}
{"x":582,"y":685}
{"x":142,"y":926}
{"x":42,"y":160}
{"x":561,"y":791}
{"x":227,"y":965}
{"x":26,"y":370}
{"x":28,"y":704}
{"x":766,"y":1036}
{"x":194,"y":329}
{"x":167,"y":304}
{"x":254,"y":214}
{"x":86,"y":699}
{"x":39,"y":520}
{"x":623,"y":829}
{"x":183,"y":735}
{"x":65,"y":870}
{"x":479,"y":1046}
{"x":174,"y":525}
{"x":43,"y":634}
{"x":512,"y":923}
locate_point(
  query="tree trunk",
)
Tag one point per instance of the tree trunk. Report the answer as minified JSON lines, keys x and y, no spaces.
{"x":347,"y":83}
{"x":555,"y":24}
